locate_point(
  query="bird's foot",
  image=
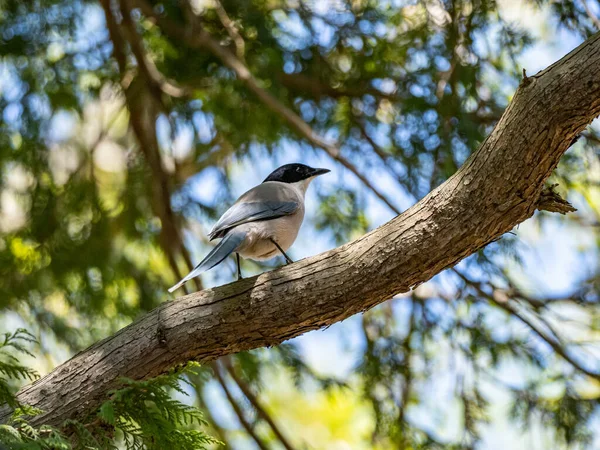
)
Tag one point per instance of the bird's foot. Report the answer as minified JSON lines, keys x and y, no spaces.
{"x":239,"y":267}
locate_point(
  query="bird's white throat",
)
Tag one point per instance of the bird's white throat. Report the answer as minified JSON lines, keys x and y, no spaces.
{"x":302,"y":185}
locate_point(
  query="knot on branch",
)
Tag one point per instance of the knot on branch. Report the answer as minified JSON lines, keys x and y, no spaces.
{"x":551,"y":201}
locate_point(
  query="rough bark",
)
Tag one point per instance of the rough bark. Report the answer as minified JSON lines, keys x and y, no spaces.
{"x":496,"y":189}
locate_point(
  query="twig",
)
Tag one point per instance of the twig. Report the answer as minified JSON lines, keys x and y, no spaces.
{"x":554,"y":342}
{"x":240,"y":45}
{"x":526,"y":80}
{"x":197,"y":386}
{"x":115,"y":37}
{"x":236,"y":408}
{"x":383,"y":156}
{"x":407,"y":369}
{"x":590,"y":14}
{"x":591,"y":136}
{"x":146,"y":64}
{"x":318,"y":89}
{"x":226,"y":361}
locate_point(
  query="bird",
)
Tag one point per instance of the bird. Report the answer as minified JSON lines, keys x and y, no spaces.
{"x":263,"y":222}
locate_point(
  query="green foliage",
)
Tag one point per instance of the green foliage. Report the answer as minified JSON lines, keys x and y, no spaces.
{"x":10,"y":367}
{"x":344,"y":210}
{"x":568,"y":413}
{"x":19,"y":434}
{"x":140,"y":415}
{"x":149,"y":417}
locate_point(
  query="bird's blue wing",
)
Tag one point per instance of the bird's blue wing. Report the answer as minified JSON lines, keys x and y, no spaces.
{"x":223,"y":249}
{"x":251,"y":212}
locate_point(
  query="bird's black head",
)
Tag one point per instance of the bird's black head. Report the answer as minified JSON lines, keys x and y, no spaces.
{"x":292,"y":173}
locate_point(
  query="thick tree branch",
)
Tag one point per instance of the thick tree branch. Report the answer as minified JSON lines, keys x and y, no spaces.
{"x":498,"y":187}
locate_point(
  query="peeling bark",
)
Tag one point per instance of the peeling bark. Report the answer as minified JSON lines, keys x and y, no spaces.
{"x":497,"y":188}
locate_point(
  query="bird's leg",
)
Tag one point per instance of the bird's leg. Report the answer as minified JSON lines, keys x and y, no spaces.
{"x":237,"y":257}
{"x":287,"y":258}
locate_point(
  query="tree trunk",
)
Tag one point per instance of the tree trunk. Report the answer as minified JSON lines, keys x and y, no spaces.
{"x":497,"y":188}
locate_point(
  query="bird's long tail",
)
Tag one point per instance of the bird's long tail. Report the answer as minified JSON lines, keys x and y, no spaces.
{"x":223,"y":249}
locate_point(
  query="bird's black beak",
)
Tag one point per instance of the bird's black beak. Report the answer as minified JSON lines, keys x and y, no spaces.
{"x":317,"y":172}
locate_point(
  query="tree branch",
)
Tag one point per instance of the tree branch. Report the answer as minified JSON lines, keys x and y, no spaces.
{"x":498,"y":187}
{"x":407,"y":375}
{"x":202,"y":39}
{"x":146,"y":65}
{"x":590,"y":14}
{"x":317,"y":89}
{"x":226,"y":361}
{"x":234,"y":34}
{"x":551,"y":201}
{"x":380,"y":152}
{"x":236,"y":408}
{"x":553,"y":340}
{"x":143,"y":107}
